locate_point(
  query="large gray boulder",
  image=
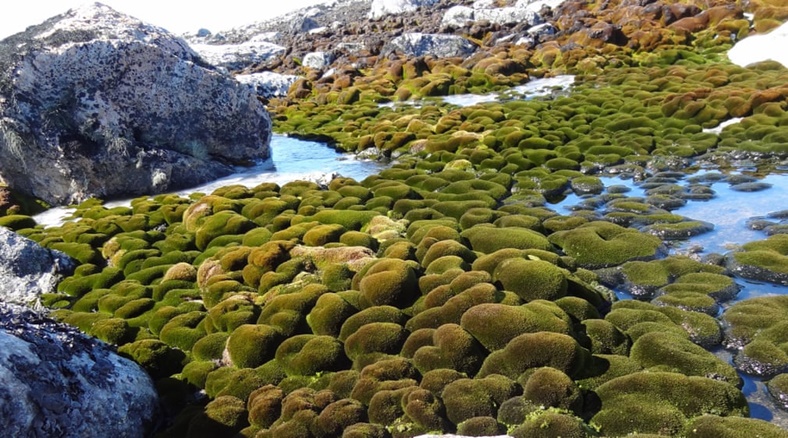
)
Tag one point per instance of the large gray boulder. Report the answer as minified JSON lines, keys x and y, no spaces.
{"x":28,"y":270}
{"x":54,"y":381}
{"x":438,"y":45}
{"x":96,"y":103}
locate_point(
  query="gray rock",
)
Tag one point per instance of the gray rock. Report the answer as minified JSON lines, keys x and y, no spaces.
{"x":458,"y":16}
{"x":238,"y":56}
{"x":437,"y":45}
{"x":268,"y":84}
{"x":304,"y":24}
{"x":96,"y":103}
{"x":28,"y":270}
{"x":54,"y":381}
{"x":382,"y":8}
{"x":317,"y":60}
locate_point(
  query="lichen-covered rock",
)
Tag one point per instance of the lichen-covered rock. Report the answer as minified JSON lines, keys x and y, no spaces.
{"x":57,"y":381}
{"x":97,"y":103}
{"x":28,"y":270}
{"x":417,"y":44}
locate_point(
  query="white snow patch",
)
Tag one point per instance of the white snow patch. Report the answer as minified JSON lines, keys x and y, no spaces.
{"x":757,"y":48}
{"x":718,"y":129}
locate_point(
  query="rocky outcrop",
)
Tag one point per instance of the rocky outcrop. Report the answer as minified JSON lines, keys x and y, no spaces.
{"x":268,"y":84}
{"x":417,"y":44}
{"x":238,"y":56}
{"x":485,"y":11}
{"x":28,"y":270}
{"x":382,"y":8}
{"x":317,"y":60}
{"x":58,"y":382}
{"x":96,"y":103}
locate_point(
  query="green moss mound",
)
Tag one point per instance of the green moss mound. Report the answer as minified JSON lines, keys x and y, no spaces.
{"x":601,"y":244}
{"x":663,"y":403}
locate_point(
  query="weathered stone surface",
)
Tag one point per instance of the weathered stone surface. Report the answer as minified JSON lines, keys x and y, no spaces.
{"x":58,"y":382}
{"x":440,"y":46}
{"x":317,"y":60}
{"x":28,"y":270}
{"x":381,"y":8}
{"x":460,"y":15}
{"x":268,"y":84}
{"x":238,"y":56}
{"x":96,"y":103}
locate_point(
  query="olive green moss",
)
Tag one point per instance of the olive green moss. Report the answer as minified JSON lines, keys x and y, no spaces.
{"x":732,"y":427}
{"x":252,"y":345}
{"x":494,"y":325}
{"x":531,"y":279}
{"x":662,"y":402}
{"x":306,"y":355}
{"x":532,"y":350}
{"x":468,"y":398}
{"x":602,"y":244}
{"x":763,"y":260}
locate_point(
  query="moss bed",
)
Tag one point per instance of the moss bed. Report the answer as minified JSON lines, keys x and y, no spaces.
{"x":443,"y":294}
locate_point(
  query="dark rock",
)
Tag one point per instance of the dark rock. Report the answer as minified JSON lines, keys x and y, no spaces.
{"x":97,"y":103}
{"x":28,"y":270}
{"x":58,"y":382}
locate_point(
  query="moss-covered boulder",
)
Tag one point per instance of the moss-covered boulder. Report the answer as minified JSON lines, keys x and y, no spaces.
{"x":763,"y":260}
{"x":663,"y":403}
{"x":307,"y":355}
{"x":494,"y":325}
{"x":757,"y":329}
{"x":252,"y":345}
{"x":665,"y":351}
{"x":389,"y":282}
{"x":534,"y":350}
{"x":602,"y":244}
{"x":488,"y":239}
{"x":451,"y":348}
{"x":531,"y":279}
{"x":469,"y":398}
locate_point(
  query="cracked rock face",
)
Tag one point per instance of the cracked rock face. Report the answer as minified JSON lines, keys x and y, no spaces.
{"x":28,"y":270}
{"x":58,"y":382}
{"x":96,"y":103}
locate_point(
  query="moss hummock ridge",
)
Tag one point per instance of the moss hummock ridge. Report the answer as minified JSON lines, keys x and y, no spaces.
{"x":449,"y":292}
